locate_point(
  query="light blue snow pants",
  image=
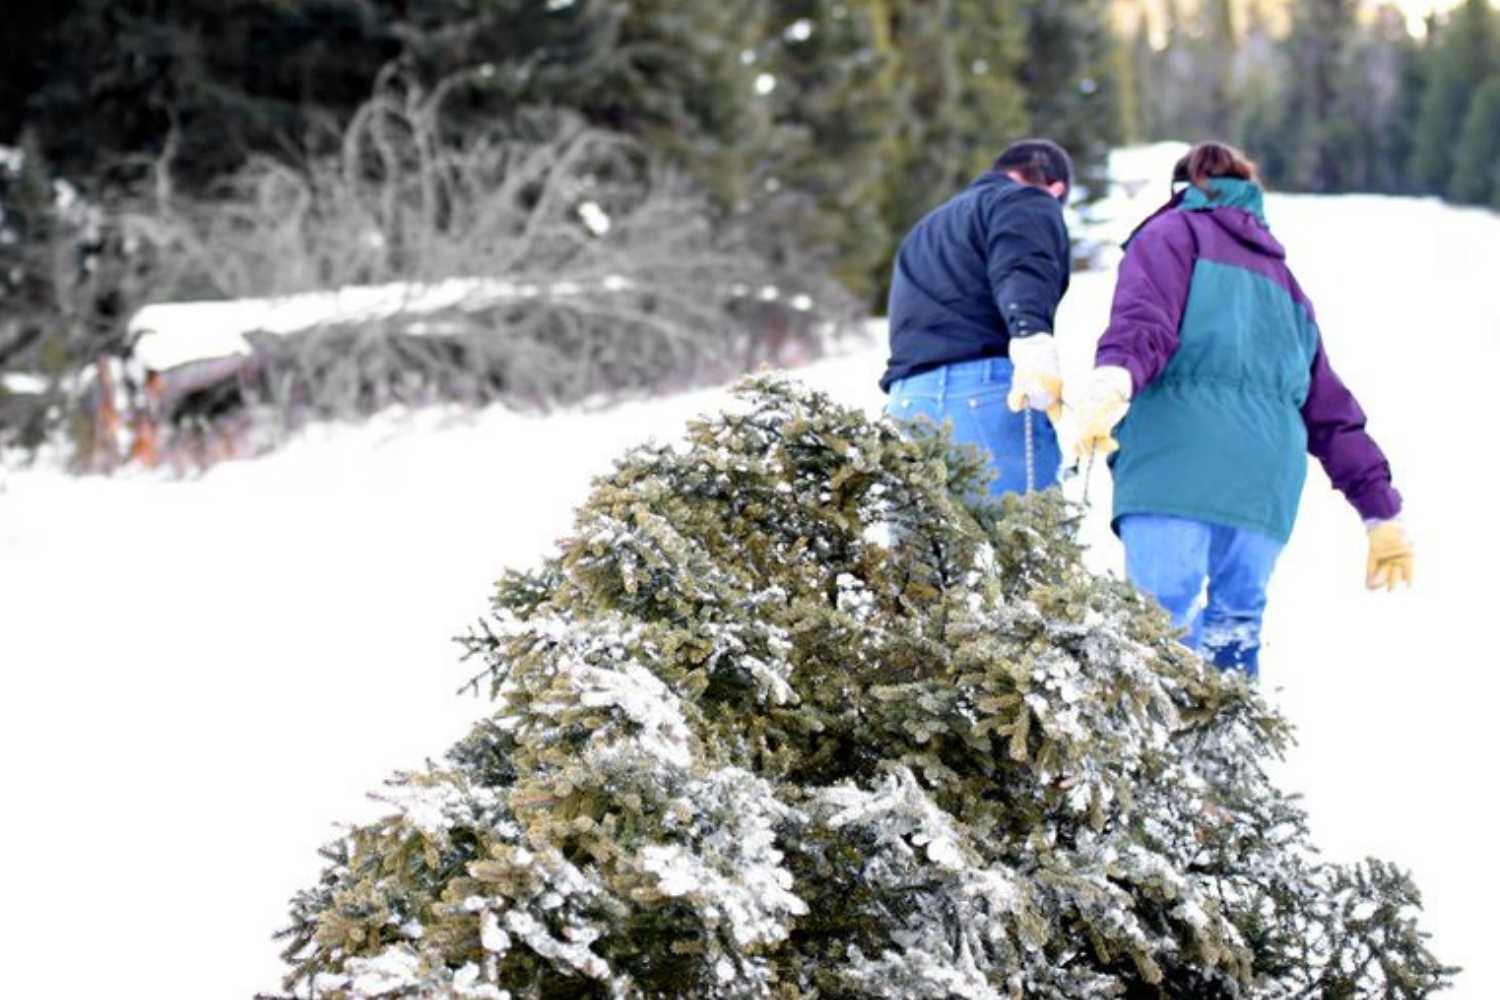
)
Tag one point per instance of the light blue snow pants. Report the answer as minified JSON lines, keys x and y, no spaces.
{"x":1172,"y":558}
{"x":972,"y":395}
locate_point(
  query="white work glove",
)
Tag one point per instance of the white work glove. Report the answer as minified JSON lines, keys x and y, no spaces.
{"x":1037,"y":381}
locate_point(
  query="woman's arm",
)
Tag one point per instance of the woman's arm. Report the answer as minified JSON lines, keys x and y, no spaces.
{"x":1150,"y":296}
{"x":1336,"y":436}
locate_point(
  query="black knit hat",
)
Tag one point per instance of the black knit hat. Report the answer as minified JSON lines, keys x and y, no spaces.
{"x":1039,"y":161}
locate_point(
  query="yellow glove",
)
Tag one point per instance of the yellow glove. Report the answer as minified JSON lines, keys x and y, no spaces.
{"x":1103,"y":406}
{"x":1037,"y":381}
{"x":1391,"y":556}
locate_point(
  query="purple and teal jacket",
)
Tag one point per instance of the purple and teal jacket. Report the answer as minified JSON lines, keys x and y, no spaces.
{"x":1232,"y":386}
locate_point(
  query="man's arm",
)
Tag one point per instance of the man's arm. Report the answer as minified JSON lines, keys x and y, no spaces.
{"x":1027,"y":260}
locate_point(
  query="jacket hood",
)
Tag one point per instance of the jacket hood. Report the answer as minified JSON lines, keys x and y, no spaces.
{"x":1238,"y":208}
{"x":1170,"y":206}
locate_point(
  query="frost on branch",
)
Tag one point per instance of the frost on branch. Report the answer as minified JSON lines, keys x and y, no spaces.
{"x":787,"y":716}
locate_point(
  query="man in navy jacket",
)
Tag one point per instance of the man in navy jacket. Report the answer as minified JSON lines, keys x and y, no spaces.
{"x":973,"y":296}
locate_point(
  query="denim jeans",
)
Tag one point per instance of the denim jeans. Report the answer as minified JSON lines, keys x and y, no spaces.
{"x":972,"y":395}
{"x":1172,"y":558}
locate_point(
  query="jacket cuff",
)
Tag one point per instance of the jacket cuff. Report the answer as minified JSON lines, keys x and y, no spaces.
{"x":1020,"y":324}
{"x":1379,"y":504}
{"x":1117,"y":358}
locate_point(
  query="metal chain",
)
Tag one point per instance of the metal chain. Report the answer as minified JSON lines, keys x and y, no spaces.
{"x":1088,"y":470}
{"x":1030,"y":454}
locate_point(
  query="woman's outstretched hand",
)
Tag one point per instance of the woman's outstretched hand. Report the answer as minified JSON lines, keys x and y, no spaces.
{"x":1105,"y":400}
{"x":1391,"y":556}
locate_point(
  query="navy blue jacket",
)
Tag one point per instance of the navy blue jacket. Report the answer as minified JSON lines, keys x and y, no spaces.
{"x":988,"y":264}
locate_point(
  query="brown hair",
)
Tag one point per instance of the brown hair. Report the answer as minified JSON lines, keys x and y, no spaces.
{"x":1208,"y":160}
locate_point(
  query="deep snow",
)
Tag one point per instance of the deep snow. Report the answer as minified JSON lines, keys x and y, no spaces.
{"x":200,"y":677}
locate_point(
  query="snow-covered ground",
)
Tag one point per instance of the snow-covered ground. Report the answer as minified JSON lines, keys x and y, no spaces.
{"x":200,"y":678}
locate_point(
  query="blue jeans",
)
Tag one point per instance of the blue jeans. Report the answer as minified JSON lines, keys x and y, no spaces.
{"x":972,"y":395}
{"x":1172,"y":558}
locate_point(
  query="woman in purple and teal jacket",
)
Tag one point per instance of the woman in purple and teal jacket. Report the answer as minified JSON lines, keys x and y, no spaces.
{"x":1213,"y":369}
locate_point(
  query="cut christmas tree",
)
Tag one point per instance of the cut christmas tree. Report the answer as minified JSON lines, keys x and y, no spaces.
{"x":793,"y":714}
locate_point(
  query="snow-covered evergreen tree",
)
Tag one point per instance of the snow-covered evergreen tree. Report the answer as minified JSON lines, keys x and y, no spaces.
{"x":790,"y":716}
{"x":1478,"y":153}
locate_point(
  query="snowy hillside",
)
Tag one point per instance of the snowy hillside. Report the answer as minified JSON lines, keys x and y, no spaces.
{"x":172,"y":651}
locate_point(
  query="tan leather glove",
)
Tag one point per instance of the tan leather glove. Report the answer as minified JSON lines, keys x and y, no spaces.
{"x":1391,"y":556}
{"x":1105,"y":400}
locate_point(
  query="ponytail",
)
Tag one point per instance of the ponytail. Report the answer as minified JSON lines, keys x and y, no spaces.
{"x":1208,"y":160}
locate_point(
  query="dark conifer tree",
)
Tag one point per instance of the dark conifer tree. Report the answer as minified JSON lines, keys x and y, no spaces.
{"x":1262,"y":72}
{"x":228,"y":79}
{"x":26,"y":234}
{"x":1321,"y":32}
{"x":830,"y":77}
{"x":1478,"y":149}
{"x":1072,"y":91}
{"x":1218,"y":43}
{"x":1370,"y":136}
{"x":1461,"y":56}
{"x":1144,"y":66}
